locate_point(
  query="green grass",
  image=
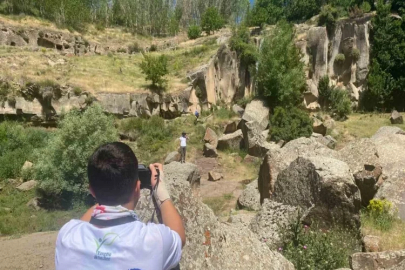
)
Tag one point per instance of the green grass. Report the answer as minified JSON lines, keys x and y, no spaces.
{"x":217,"y":204}
{"x":21,"y":219}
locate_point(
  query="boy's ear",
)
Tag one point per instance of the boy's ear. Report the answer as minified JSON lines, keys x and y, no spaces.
{"x":138,"y":186}
{"x":92,"y":192}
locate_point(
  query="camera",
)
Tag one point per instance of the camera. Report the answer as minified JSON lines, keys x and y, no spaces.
{"x":145,"y":175}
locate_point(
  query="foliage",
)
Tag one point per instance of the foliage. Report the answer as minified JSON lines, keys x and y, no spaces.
{"x":194,"y":31}
{"x":300,"y":10}
{"x":280,"y":73}
{"x":134,"y":48}
{"x":224,"y":113}
{"x":365,"y":7}
{"x":16,"y":146}
{"x":340,"y":58}
{"x":314,"y":248}
{"x":340,"y":102}
{"x":77,"y":91}
{"x":289,"y":124}
{"x":240,"y":42}
{"x":328,"y":17}
{"x":324,"y":91}
{"x":355,"y":54}
{"x":155,"y":68}
{"x":386,"y":80}
{"x":356,"y":12}
{"x":381,"y":212}
{"x":266,"y":12}
{"x":62,"y":168}
{"x":211,"y":20}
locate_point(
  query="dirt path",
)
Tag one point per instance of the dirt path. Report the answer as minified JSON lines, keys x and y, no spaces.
{"x":29,"y":252}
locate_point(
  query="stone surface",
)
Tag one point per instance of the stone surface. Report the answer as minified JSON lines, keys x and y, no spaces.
{"x":328,"y":141}
{"x":271,"y":220}
{"x":186,"y":171}
{"x":231,"y":141}
{"x":173,"y":156}
{"x":319,"y":127}
{"x":396,"y":118}
{"x":362,"y":157}
{"x":390,"y":143}
{"x":241,"y":218}
{"x":257,"y":112}
{"x":372,"y":243}
{"x":387,"y":260}
{"x":214,"y":176}
{"x":238,"y":109}
{"x":323,"y":187}
{"x":231,"y":127}
{"x":209,"y":150}
{"x":210,"y":243}
{"x":27,"y":166}
{"x":211,"y":137}
{"x":255,"y":141}
{"x":34,"y":203}
{"x":27,"y":185}
{"x":279,"y":159}
{"x":250,"y":159}
{"x":250,"y":197}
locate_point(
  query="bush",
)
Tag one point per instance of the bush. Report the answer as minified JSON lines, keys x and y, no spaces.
{"x":122,"y":50}
{"x":365,"y":7}
{"x":134,"y":48}
{"x":355,"y":12}
{"x":155,"y":68}
{"x":153,"y":48}
{"x":194,"y":31}
{"x":381,"y":214}
{"x":211,"y":20}
{"x":314,"y":248}
{"x":324,"y":91}
{"x":62,"y":169}
{"x":328,"y":18}
{"x":340,"y":58}
{"x":77,"y":91}
{"x":240,"y":42}
{"x":290,"y":124}
{"x":224,"y":113}
{"x":280,"y":73}
{"x":355,"y":54}
{"x":340,"y":102}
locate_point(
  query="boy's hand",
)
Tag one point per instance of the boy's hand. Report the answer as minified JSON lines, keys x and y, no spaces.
{"x":160,"y":192}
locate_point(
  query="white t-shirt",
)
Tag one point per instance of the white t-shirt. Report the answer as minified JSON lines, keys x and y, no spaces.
{"x":183,"y":141}
{"x":131,"y":246}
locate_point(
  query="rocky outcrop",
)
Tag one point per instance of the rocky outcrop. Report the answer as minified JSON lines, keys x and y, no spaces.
{"x":257,"y":112}
{"x":214,"y":176}
{"x":372,"y":243}
{"x":231,"y":141}
{"x":211,"y":244}
{"x":250,"y":197}
{"x":271,"y":220}
{"x":396,"y":118}
{"x":209,"y":150}
{"x":387,"y":260}
{"x":211,"y":137}
{"x":323,"y":187}
{"x":390,"y":142}
{"x":231,"y":126}
{"x":277,"y":160}
{"x":27,"y":185}
{"x":172,"y":157}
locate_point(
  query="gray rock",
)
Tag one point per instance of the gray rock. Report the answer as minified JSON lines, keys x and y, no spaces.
{"x":231,"y":141}
{"x":214,"y":176}
{"x":362,"y":158}
{"x":323,"y":187}
{"x":372,"y":243}
{"x":271,"y":220}
{"x":244,"y":218}
{"x":254,"y":140}
{"x":279,"y":159}
{"x":390,"y":142}
{"x":118,"y":104}
{"x":34,"y":203}
{"x":173,"y":156}
{"x":319,"y":127}
{"x":250,"y":197}
{"x":396,"y":118}
{"x":209,"y":150}
{"x":238,"y":109}
{"x":211,"y":137}
{"x":27,"y":166}
{"x":257,"y":112}
{"x":250,"y":159}
{"x":186,"y":171}
{"x":27,"y":185}
{"x":211,"y":244}
{"x":328,"y":141}
{"x":231,"y":127}
{"x":391,"y":260}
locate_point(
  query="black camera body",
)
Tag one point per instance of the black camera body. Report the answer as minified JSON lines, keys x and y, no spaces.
{"x":145,"y":175}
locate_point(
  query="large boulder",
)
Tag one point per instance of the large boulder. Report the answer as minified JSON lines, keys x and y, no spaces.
{"x":362,"y":158}
{"x":255,"y":140}
{"x":272,"y":219}
{"x":279,"y":159}
{"x":231,"y":127}
{"x":27,"y":185}
{"x":319,"y":127}
{"x":390,"y":142}
{"x":186,"y":171}
{"x":173,"y":156}
{"x":250,"y":197}
{"x":396,"y":118}
{"x":209,"y":150}
{"x":211,"y":137}
{"x":231,"y":141}
{"x":387,"y":260}
{"x":238,"y":109}
{"x":210,"y":243}
{"x":257,"y":112}
{"x":323,"y":187}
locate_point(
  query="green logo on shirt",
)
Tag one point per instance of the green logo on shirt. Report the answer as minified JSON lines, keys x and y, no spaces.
{"x":107,"y":240}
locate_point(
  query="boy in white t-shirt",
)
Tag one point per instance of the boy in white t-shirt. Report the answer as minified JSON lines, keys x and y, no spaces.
{"x":109,"y":235}
{"x":183,"y":146}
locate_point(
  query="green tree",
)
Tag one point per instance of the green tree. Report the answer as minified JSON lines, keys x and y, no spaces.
{"x":194,"y":31}
{"x":155,"y":68}
{"x":211,"y":20}
{"x":62,"y":168}
{"x":240,"y":42}
{"x":328,"y":17}
{"x":301,"y":10}
{"x":266,"y":12}
{"x":290,"y":124}
{"x":280,"y":73}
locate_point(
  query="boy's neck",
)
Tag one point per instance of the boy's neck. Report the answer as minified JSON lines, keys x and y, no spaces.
{"x":129,"y":205}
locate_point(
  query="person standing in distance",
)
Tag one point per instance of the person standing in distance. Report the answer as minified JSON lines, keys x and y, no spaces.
{"x":110,"y":235}
{"x":183,"y":146}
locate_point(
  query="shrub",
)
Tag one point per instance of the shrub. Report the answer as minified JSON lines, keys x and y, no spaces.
{"x":62,"y":169}
{"x":365,"y":7}
{"x":240,"y":42}
{"x":224,"y":113}
{"x":77,"y":91}
{"x":134,"y":48}
{"x":340,"y":102}
{"x":381,"y":214}
{"x":153,"y":48}
{"x":155,"y":68}
{"x":194,"y":31}
{"x":313,"y":248}
{"x":340,"y":58}
{"x":122,"y":50}
{"x":196,"y":51}
{"x":290,"y":124}
{"x":324,"y":91}
{"x":355,"y":54}
{"x":328,"y":18}
{"x":211,"y":20}
{"x":355,"y":12}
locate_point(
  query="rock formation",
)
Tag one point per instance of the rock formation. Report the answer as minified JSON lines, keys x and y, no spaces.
{"x":250,"y":197}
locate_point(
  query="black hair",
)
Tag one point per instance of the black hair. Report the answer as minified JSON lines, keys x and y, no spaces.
{"x":113,"y":173}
